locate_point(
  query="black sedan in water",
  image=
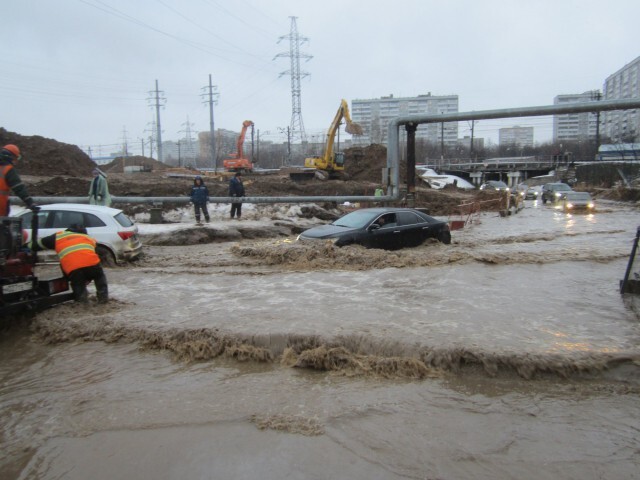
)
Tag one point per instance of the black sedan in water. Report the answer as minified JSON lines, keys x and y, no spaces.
{"x":388,"y":228}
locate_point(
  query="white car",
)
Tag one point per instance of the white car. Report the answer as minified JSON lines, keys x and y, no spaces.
{"x":115,"y":233}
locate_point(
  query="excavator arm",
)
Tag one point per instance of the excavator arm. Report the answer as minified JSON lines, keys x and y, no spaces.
{"x":239,"y":144}
{"x":236,"y":161}
{"x":352,"y":128}
{"x":327,"y":162}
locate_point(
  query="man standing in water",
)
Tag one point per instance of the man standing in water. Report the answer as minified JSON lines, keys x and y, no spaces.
{"x":236,"y":189}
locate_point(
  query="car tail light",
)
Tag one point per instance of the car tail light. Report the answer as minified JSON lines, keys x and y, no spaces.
{"x":126,"y":235}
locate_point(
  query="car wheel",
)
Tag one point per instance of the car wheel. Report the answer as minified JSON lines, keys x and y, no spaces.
{"x":445,"y":237}
{"x":107,"y":258}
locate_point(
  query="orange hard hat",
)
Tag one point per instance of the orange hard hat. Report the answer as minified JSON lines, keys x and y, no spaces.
{"x":13,"y":149}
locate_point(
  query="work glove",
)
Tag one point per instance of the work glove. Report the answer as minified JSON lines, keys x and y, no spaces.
{"x":99,"y":197}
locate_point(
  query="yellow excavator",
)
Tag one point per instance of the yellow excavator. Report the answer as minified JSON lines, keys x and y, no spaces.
{"x":331,"y":164}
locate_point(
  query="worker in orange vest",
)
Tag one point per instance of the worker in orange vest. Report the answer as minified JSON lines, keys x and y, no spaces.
{"x":10,"y":180}
{"x":79,"y":261}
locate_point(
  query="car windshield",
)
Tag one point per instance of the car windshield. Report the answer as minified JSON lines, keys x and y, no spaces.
{"x":561,"y":187}
{"x":357,"y":219}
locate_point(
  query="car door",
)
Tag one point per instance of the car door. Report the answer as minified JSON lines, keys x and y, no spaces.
{"x":411,"y":232}
{"x":385,"y":236}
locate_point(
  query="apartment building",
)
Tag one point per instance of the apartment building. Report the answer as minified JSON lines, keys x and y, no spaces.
{"x":516,"y":135}
{"x":575,"y":126}
{"x":374,"y":116}
{"x":622,"y":125}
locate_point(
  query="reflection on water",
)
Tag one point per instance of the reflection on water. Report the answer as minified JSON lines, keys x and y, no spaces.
{"x":509,"y":353}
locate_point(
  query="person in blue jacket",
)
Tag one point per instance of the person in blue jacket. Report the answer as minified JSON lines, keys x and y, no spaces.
{"x":236,"y":189}
{"x":199,"y":198}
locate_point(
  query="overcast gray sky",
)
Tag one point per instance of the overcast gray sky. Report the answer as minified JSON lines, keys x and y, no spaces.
{"x":81,"y":71}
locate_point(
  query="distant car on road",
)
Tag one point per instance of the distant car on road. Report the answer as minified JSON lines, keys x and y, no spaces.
{"x":387,"y":228}
{"x":521,"y":190}
{"x":495,"y":185}
{"x":533,"y":193}
{"x":554,"y":192}
{"x":578,"y":201}
{"x":115,"y":234}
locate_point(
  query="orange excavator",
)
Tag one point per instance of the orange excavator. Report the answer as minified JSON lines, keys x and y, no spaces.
{"x":236,"y":162}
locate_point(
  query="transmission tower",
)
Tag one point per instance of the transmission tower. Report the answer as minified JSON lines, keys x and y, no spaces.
{"x":152,"y":136}
{"x":125,"y":142}
{"x":188,"y":142}
{"x":158,"y":99}
{"x":212,"y":94}
{"x":294,"y":53}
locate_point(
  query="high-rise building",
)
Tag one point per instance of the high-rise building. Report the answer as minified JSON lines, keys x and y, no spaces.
{"x":516,"y":135}
{"x":374,"y":115}
{"x":575,"y":126}
{"x":622,"y":125}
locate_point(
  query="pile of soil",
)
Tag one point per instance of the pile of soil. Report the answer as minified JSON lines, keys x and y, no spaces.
{"x":45,"y":156}
{"x":119,"y":163}
{"x":366,"y":163}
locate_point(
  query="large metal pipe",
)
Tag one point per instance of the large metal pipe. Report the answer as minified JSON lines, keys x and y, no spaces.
{"x":393,"y":144}
{"x":185,"y":200}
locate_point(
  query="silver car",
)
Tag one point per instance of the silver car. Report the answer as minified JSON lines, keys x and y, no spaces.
{"x":575,"y":201}
{"x":115,"y":233}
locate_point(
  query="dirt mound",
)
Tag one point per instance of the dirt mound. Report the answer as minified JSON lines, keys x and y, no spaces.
{"x":60,"y":186}
{"x":45,"y":156}
{"x":366,"y":163}
{"x":623,"y":194}
{"x":119,"y":163}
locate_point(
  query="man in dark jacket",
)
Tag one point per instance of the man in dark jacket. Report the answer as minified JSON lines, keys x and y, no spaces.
{"x":79,"y":261}
{"x":10,"y":180}
{"x":236,"y":189}
{"x":199,"y":198}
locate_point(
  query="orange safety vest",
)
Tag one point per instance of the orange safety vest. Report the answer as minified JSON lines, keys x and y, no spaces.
{"x":76,"y":250}
{"x":5,"y":191}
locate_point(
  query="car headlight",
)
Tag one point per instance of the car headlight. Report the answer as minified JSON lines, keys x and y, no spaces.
{"x":591,"y":205}
{"x":569,"y":205}
{"x":558,"y":194}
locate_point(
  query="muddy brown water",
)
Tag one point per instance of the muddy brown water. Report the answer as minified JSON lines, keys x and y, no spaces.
{"x":508,"y":354}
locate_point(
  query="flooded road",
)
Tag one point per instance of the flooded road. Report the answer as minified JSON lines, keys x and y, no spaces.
{"x":508,"y":354}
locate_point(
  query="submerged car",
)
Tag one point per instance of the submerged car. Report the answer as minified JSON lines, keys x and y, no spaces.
{"x":116,"y":235}
{"x":574,"y":201}
{"x":496,"y":185}
{"x":554,"y":192}
{"x":387,"y":228}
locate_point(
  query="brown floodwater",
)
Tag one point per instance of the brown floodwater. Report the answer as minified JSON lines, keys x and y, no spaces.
{"x":508,"y":354}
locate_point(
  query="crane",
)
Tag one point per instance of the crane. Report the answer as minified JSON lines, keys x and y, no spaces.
{"x":236,"y":161}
